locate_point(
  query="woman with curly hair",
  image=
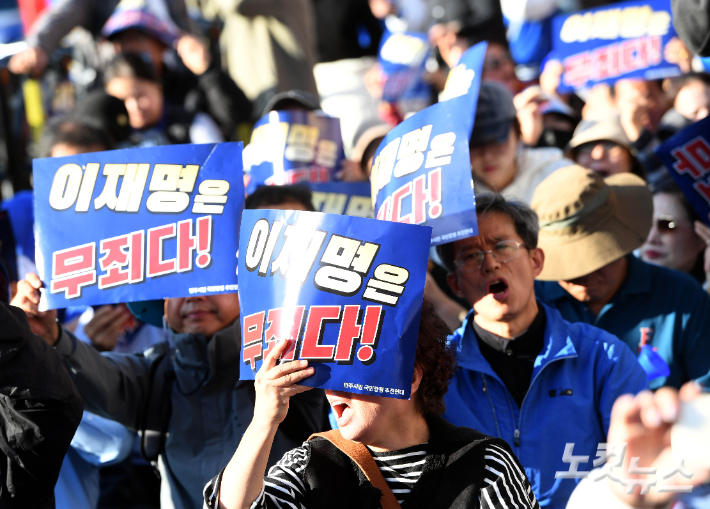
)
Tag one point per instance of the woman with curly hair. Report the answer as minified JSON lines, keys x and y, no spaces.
{"x":387,"y":451}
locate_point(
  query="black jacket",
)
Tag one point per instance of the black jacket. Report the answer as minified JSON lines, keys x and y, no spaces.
{"x":40,"y":409}
{"x":452,"y":472}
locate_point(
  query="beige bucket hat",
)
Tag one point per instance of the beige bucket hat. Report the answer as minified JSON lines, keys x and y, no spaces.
{"x":587,"y":222}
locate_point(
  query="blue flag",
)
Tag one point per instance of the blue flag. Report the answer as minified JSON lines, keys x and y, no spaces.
{"x":622,"y":40}
{"x":138,"y":224}
{"x":687,"y":157}
{"x":287,"y":147}
{"x":422,"y":170}
{"x":347,"y":290}
{"x":402,"y":58}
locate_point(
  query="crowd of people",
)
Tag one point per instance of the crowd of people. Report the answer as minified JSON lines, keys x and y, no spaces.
{"x":526,"y":365}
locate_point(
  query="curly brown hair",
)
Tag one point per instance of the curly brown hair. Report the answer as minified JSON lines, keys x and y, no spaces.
{"x":436,"y":359}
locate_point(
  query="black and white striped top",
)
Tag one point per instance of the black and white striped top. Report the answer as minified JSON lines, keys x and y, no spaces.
{"x":506,"y":486}
{"x":401,"y":469}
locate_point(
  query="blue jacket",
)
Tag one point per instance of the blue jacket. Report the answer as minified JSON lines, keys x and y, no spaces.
{"x":657,"y":306}
{"x":578,"y":375}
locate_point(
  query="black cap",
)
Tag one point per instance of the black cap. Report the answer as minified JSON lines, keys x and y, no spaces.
{"x":105,"y":112}
{"x":494,"y":115}
{"x":306,"y":99}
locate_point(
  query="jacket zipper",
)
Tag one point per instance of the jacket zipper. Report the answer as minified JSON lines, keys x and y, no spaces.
{"x":490,"y":400}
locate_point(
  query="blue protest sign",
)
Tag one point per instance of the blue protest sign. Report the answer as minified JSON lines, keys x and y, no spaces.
{"x":422,"y":171}
{"x":402,"y":58}
{"x":622,"y":40}
{"x":465,"y":78}
{"x":687,"y":158}
{"x":287,"y":147}
{"x":347,"y":198}
{"x":347,"y":290}
{"x":138,"y":224}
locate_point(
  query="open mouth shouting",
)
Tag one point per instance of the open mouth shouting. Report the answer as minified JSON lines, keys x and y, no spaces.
{"x":343,"y":412}
{"x":498,"y":288}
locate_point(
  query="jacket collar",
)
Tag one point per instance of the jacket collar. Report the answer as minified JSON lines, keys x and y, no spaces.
{"x":557,"y":344}
{"x":197,"y":359}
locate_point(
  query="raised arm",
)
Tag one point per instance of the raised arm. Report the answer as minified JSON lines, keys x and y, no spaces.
{"x":113,"y":385}
{"x":275,"y":384}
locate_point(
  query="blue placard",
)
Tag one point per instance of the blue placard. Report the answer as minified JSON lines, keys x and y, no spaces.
{"x":348,"y":290}
{"x":402,"y":58}
{"x":422,"y":170}
{"x":347,"y":198}
{"x":687,"y":158}
{"x":465,"y":78}
{"x":287,"y":147}
{"x":138,"y":224}
{"x":622,"y":40}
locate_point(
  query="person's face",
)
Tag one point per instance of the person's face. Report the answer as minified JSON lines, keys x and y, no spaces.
{"x":204,"y":315}
{"x":672,"y":242}
{"x":604,"y":157}
{"x":143,"y":100}
{"x":642,"y":93}
{"x":64,"y":149}
{"x":499,"y":66}
{"x":494,"y":163}
{"x":600,"y":285}
{"x":693,"y":101}
{"x":498,"y":291}
{"x":372,"y":419}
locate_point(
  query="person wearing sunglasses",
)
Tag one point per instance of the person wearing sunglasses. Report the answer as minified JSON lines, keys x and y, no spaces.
{"x":675,"y":239}
{"x":525,"y":374}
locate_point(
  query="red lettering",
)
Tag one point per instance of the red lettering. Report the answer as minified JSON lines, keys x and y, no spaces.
{"x":349,"y":334}
{"x":313,"y":335}
{"x":156,"y":265}
{"x":115,"y":258}
{"x":699,"y":150}
{"x":397,"y":198}
{"x":137,"y":256}
{"x":683,"y":164}
{"x":185,"y":245}
{"x":284,"y":323}
{"x":252,"y":334}
{"x":385,"y":211}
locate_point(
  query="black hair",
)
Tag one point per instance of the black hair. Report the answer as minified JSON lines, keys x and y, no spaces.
{"x":131,"y":65}
{"x":75,"y":133}
{"x":276,"y":195}
{"x":523,"y":217}
{"x":370,"y":152}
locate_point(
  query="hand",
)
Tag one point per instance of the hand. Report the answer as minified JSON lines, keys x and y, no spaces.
{"x":28,"y":61}
{"x":644,"y":423}
{"x":676,"y":52}
{"x":703,"y":231}
{"x":193,"y":53}
{"x":527,"y":103}
{"x":42,"y":323}
{"x":275,"y":384}
{"x":107,"y":325}
{"x":351,"y":171}
{"x":634,"y":115}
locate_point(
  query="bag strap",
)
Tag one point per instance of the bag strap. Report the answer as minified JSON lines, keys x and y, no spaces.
{"x":363,"y":459}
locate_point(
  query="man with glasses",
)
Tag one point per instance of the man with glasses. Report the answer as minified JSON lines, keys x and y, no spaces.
{"x":525,"y":374}
{"x":589,"y":229}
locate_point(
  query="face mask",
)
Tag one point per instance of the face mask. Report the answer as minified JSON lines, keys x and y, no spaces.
{"x":554,"y":138}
